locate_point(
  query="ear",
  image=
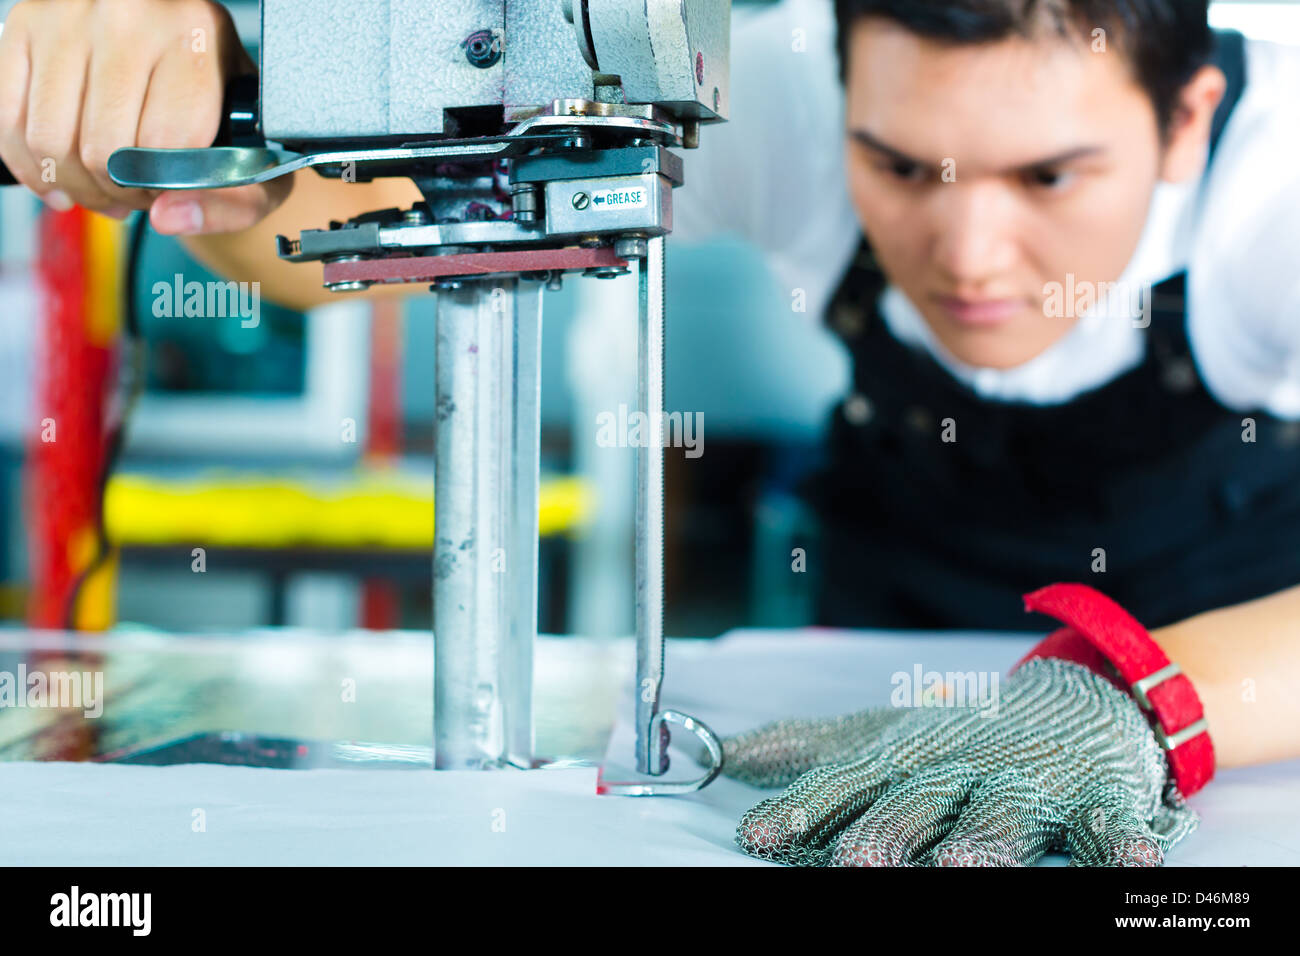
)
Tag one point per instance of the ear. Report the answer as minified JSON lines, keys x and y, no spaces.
{"x":1189,"y":127}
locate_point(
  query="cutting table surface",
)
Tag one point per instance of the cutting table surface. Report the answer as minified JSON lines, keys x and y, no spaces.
{"x":61,"y":808}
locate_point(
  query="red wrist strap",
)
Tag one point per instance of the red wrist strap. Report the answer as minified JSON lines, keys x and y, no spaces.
{"x":1104,"y":637}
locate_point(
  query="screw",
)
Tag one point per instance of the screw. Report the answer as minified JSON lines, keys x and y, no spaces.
{"x":580,"y":200}
{"x":482,"y":49}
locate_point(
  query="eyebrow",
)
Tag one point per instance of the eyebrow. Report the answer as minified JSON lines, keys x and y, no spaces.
{"x":862,"y":136}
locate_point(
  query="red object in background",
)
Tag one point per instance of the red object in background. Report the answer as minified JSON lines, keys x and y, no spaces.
{"x":67,"y":454}
{"x":381,"y":604}
{"x":74,"y":372}
{"x":384,"y":418}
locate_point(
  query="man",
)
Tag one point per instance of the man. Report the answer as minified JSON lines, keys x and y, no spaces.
{"x":1059,"y":239}
{"x":998,"y":156}
{"x":1064,"y":324}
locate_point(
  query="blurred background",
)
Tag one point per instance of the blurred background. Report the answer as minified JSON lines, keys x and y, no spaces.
{"x":282,"y":474}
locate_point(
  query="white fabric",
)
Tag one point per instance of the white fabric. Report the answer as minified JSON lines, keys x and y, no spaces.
{"x":64,"y":814}
{"x":774,"y":175}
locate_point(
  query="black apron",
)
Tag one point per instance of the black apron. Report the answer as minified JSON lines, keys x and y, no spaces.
{"x":1147,"y":476}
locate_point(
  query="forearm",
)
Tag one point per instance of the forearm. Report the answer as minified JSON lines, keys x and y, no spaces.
{"x":1244,"y":661}
{"x":249,"y":255}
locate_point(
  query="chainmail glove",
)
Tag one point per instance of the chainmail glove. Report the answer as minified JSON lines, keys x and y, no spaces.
{"x":1066,"y":761}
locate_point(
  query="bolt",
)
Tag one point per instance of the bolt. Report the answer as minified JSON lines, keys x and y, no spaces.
{"x":633,"y":247}
{"x":580,"y":200}
{"x":482,"y":48}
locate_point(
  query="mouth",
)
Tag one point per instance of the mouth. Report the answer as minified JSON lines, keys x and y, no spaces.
{"x":979,"y":312}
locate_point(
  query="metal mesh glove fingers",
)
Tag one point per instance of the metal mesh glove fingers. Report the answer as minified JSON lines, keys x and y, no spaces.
{"x":965,"y":786}
{"x":799,"y":826}
{"x":1103,"y":832}
{"x":907,"y":819}
{"x":775,"y":754}
{"x":1005,"y":823}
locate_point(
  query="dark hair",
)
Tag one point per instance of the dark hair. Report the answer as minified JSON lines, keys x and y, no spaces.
{"x":1167,"y":41}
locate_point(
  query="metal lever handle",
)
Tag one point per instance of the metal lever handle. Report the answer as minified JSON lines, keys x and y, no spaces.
{"x":245,"y":164}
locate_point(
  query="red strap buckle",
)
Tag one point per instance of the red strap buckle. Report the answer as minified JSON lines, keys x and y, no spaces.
{"x":1139,"y":690}
{"x":1098,"y":631}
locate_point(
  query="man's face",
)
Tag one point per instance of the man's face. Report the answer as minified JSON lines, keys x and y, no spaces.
{"x":982,"y":173}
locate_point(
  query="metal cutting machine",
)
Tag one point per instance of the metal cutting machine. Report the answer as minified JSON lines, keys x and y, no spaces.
{"x":541,"y":134}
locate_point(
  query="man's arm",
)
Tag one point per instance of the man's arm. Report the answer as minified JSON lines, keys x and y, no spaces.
{"x":1244,"y":662}
{"x":1244,"y":290}
{"x":249,"y":255}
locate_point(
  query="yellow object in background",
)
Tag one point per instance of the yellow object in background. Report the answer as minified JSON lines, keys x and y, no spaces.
{"x":96,"y":598}
{"x":381,"y":510}
{"x":104,"y":248}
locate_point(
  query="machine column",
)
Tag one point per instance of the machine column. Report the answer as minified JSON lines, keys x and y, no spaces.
{"x":486,"y":426}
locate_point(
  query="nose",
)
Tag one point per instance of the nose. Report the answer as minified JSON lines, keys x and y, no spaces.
{"x":972,"y":225}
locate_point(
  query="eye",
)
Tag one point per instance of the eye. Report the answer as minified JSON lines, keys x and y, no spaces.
{"x":1050,"y":178}
{"x":904,"y":170}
